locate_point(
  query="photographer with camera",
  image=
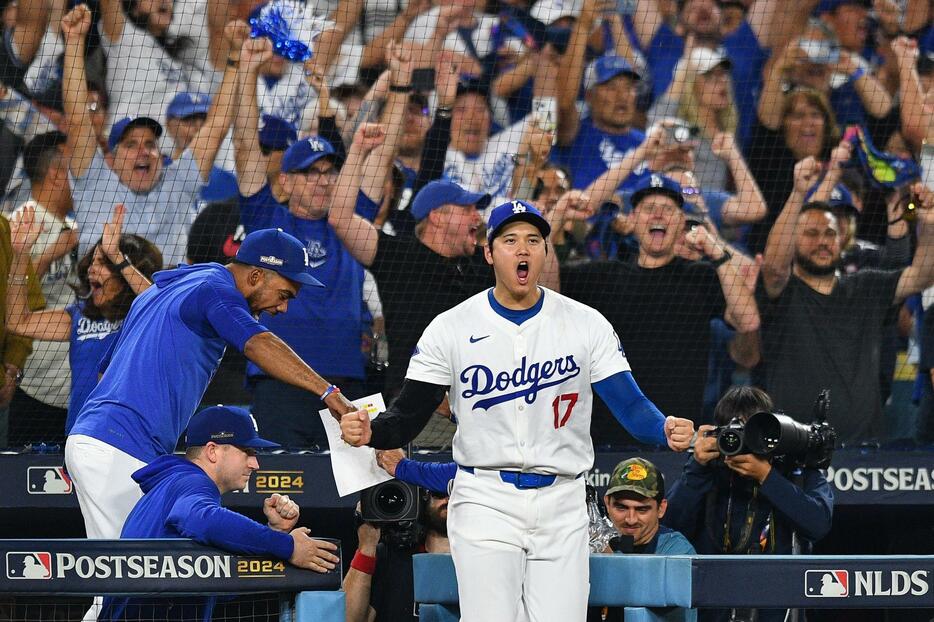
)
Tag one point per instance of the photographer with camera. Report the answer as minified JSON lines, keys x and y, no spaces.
{"x":752,"y":503}
{"x":380,"y":582}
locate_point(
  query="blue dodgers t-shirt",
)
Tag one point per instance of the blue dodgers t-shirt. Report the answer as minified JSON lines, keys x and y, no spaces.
{"x":743,"y":50}
{"x":594,"y":151}
{"x":90,"y":341}
{"x":323,"y":325}
{"x":167,"y":351}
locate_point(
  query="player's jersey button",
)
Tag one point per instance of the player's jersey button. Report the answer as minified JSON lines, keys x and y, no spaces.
{"x":521,"y":407}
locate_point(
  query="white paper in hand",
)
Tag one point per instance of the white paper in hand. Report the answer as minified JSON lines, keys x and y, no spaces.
{"x":354,"y":468}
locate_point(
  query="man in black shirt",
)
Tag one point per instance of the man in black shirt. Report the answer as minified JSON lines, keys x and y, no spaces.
{"x":418,"y":277}
{"x":661,"y":305}
{"x":821,"y":330}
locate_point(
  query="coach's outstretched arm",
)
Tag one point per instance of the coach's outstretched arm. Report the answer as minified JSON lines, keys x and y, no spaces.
{"x":640,"y":416}
{"x":277,"y":359}
{"x":401,"y":422}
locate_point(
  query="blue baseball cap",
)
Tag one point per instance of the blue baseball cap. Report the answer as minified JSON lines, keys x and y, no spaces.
{"x":306,"y":152}
{"x":445,"y":192}
{"x":829,"y":6}
{"x":657,"y":184}
{"x":224,"y":425}
{"x":188,"y":104}
{"x":276,"y":250}
{"x":606,"y":68}
{"x":277,"y":133}
{"x":840,"y":197}
{"x":126,"y":124}
{"x":515,"y":211}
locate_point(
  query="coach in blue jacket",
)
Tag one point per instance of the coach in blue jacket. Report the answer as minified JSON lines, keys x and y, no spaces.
{"x":182,"y":499}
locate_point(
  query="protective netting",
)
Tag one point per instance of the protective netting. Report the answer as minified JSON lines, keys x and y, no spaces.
{"x":733,"y":184}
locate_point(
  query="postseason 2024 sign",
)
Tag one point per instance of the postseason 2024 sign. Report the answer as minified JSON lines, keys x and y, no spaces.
{"x":146,"y":567}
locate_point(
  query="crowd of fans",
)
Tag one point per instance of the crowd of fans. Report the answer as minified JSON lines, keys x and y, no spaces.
{"x":139,"y":134}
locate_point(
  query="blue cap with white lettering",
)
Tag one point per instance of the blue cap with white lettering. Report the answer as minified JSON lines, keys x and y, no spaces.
{"x":657,"y":184}
{"x":306,"y":152}
{"x":514,"y":211}
{"x":276,"y":250}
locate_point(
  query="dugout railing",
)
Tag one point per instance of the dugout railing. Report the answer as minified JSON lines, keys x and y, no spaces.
{"x":638,"y":582}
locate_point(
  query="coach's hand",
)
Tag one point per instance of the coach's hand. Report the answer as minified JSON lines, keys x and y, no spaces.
{"x":679,"y":433}
{"x":312,"y":554}
{"x":355,"y":428}
{"x":338,"y":405}
{"x":281,"y":512}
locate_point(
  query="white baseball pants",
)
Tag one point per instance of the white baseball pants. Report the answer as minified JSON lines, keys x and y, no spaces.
{"x":519,"y":553}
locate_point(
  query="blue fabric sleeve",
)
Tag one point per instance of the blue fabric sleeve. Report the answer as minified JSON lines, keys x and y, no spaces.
{"x":632,"y":408}
{"x":198,"y":516}
{"x":366,"y":207}
{"x":809,"y":508}
{"x":222,"y":310}
{"x":434,"y":476}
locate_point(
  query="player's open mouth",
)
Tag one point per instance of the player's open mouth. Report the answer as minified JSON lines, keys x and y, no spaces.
{"x":522,"y":271}
{"x":657,"y":232}
{"x":141,"y":168}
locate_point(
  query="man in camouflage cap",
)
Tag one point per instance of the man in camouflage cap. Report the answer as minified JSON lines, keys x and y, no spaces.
{"x":635,"y":503}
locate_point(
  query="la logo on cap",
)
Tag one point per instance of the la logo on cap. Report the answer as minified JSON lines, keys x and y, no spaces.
{"x":315,"y":145}
{"x":307,"y":262}
{"x":517,"y":207}
{"x":657,"y":182}
{"x":836,"y":195}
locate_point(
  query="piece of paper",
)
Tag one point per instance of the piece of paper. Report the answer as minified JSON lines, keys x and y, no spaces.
{"x":354,"y":468}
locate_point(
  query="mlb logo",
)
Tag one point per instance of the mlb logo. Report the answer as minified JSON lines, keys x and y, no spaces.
{"x":48,"y":480}
{"x":28,"y":565}
{"x":826,"y":583}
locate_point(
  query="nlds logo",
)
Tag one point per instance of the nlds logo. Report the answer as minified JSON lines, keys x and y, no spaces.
{"x":28,"y":565}
{"x":836,"y":583}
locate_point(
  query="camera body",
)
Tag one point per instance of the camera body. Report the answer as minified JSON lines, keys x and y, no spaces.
{"x":778,"y":435}
{"x":390,"y":503}
{"x":680,"y":133}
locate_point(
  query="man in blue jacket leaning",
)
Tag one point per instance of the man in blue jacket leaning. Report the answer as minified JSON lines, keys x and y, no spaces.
{"x":182,"y":499}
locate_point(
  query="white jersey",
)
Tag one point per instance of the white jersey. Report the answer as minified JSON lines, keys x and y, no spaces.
{"x":522,"y":394}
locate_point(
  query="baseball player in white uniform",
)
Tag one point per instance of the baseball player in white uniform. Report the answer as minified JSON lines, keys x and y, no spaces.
{"x":520,"y":362}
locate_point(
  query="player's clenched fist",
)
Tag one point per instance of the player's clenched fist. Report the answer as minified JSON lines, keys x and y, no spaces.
{"x":281,"y":512}
{"x":679,"y":433}
{"x":355,"y":428}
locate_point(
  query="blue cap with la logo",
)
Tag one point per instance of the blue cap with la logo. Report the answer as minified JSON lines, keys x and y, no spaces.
{"x":657,"y":184}
{"x":513,"y":211}
{"x":276,"y":250}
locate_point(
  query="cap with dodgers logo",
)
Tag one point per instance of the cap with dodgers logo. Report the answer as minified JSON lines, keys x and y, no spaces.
{"x":276,"y":250}
{"x":513,"y":211}
{"x":657,"y":184}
